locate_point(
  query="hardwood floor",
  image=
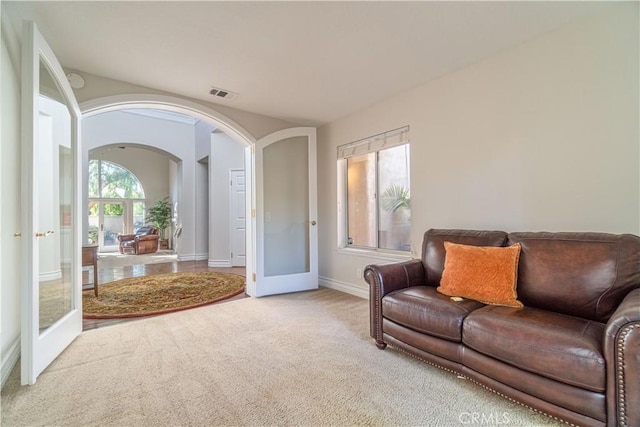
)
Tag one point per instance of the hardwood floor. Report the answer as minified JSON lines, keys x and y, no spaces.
{"x":106,"y":275}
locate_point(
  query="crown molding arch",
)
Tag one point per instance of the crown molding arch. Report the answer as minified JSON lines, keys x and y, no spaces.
{"x":168,"y":103}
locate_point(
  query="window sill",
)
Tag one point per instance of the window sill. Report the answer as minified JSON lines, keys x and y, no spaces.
{"x":374,"y":254}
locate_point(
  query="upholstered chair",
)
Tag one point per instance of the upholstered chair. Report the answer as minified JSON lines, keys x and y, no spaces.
{"x":144,"y":241}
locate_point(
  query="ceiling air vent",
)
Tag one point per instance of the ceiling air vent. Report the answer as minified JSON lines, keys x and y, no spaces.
{"x":222,"y":93}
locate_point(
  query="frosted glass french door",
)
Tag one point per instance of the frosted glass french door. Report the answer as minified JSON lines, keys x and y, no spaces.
{"x":286,"y":214}
{"x":51,"y":293}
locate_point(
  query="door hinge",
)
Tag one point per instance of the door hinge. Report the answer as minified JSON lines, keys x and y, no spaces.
{"x":231,"y":183}
{"x":253,"y":213}
{"x":254,"y":276}
{"x":231,"y":255}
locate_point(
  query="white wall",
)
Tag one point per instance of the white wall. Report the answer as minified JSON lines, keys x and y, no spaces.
{"x":543,"y":136}
{"x":226,"y":154}
{"x":10,"y":214}
{"x":203,"y":139}
{"x":202,"y":209}
{"x":175,"y":184}
{"x":203,"y":151}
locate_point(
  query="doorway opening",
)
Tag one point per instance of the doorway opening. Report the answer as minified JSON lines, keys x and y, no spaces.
{"x":191,"y":175}
{"x":217,"y":121}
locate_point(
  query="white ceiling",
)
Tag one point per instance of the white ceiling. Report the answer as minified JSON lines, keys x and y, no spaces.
{"x":305,"y":62}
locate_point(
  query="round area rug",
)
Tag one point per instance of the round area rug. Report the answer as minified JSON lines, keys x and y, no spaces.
{"x":158,"y":294}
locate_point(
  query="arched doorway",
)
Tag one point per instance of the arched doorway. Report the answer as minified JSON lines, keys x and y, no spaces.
{"x":201,"y":112}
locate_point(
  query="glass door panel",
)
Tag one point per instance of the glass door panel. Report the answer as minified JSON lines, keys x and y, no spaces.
{"x":55,"y":184}
{"x":286,"y":207}
{"x":138,"y":215}
{"x":111,"y":225}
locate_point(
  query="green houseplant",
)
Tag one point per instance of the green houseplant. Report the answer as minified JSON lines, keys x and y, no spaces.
{"x":160,"y":215}
{"x":396,"y":199}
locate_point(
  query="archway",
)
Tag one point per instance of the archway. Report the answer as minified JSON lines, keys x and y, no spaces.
{"x":204,"y":113}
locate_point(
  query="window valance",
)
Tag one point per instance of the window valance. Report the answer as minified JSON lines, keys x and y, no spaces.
{"x":374,"y":143}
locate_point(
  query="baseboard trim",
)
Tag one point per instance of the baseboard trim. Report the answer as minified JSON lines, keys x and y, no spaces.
{"x":190,"y":257}
{"x":348,"y":288}
{"x":219,"y":263}
{"x":50,"y":275}
{"x":9,"y":361}
{"x":202,"y":257}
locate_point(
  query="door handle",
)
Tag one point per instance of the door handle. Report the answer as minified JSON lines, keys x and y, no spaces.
{"x":17,"y":234}
{"x":312,"y":222}
{"x":46,"y":234}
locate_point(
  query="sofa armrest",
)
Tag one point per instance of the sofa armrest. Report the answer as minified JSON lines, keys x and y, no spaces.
{"x":622,"y":354}
{"x":383,"y":279}
{"x":390,"y":277}
{"x":125,"y":237}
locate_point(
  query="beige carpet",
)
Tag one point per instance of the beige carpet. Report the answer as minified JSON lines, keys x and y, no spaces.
{"x":299,"y":359}
{"x":116,"y":259}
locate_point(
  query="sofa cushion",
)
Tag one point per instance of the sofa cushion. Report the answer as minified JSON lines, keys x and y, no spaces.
{"x":433,"y":252}
{"x":580,"y":274}
{"x":423,"y":309}
{"x":482,"y":273}
{"x":564,"y":348}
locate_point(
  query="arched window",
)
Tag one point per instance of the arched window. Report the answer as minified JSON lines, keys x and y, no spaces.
{"x":116,"y":203}
{"x":109,"y":180}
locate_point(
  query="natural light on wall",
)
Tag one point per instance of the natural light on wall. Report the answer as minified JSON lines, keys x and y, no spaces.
{"x":374,"y":192}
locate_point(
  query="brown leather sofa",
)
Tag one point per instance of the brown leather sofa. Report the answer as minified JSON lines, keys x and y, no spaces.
{"x":144,"y":241}
{"x":572,"y":352}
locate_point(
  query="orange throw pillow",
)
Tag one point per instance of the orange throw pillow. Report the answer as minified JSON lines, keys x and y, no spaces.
{"x":481,"y":273}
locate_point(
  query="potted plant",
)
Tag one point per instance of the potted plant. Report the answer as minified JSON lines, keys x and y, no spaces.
{"x":160,"y":215}
{"x":396,"y":200}
{"x":395,"y":197}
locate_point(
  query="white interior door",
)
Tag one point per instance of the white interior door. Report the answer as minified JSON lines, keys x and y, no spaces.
{"x":237,"y":203}
{"x":286,"y":213}
{"x":51,"y":295}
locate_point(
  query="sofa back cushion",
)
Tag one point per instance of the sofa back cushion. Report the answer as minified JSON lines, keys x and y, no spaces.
{"x":433,"y":252}
{"x":580,"y":274}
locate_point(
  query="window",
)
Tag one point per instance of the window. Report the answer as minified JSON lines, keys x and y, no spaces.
{"x":111,"y":181}
{"x":375,"y":195}
{"x":116,"y":203}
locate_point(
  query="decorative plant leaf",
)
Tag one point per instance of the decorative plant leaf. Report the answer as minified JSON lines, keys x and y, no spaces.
{"x":160,"y":215}
{"x":395,"y":197}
